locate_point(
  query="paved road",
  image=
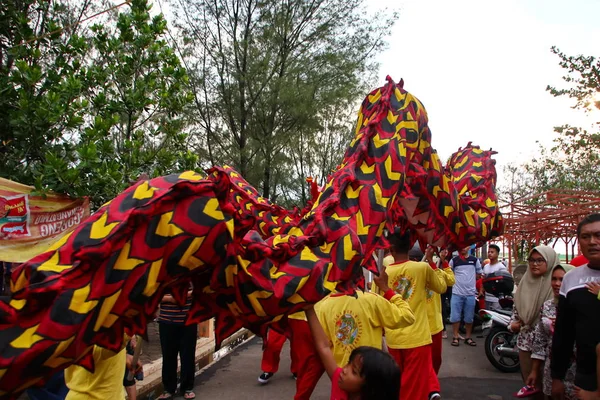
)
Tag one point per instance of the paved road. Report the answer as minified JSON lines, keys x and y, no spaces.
{"x":466,"y":374}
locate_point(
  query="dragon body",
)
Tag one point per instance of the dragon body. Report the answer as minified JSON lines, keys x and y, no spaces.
{"x":251,"y":262}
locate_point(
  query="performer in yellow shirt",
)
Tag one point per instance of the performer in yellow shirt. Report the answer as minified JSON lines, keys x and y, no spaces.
{"x":353,"y":321}
{"x":411,"y":346}
{"x":306,"y":363}
{"x":302,"y":348}
{"x":271,"y":356}
{"x":434,"y":313}
{"x":106,"y":381}
{"x":360,"y":323}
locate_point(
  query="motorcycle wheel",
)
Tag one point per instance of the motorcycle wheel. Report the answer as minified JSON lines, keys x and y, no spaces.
{"x":497,"y":337}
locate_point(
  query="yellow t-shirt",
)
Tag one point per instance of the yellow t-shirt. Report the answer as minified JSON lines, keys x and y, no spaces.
{"x":351,"y":322}
{"x":434,"y":304}
{"x":409,"y":280}
{"x":105,"y":383}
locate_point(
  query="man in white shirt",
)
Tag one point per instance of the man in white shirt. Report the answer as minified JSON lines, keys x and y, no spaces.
{"x":491,"y":301}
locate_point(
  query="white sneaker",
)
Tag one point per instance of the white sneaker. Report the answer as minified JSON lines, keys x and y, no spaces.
{"x":435,"y":396}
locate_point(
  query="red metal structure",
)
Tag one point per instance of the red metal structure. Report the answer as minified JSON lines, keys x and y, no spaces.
{"x":546,"y":218}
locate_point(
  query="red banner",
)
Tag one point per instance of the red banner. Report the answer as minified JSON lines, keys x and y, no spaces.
{"x":30,"y":224}
{"x":59,"y":222}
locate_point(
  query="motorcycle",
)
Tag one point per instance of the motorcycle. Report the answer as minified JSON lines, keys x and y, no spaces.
{"x":501,"y":344}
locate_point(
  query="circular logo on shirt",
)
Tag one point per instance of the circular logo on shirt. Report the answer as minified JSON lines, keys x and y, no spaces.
{"x":347,"y":328}
{"x":404,"y":287}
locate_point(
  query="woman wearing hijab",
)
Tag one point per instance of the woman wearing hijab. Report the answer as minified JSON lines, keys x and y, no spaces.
{"x":542,"y":342}
{"x":533,"y":291}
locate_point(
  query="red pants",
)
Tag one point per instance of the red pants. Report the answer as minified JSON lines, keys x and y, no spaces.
{"x":481,"y":303}
{"x":272,"y":353}
{"x":309,"y":366}
{"x":436,"y":352}
{"x":418,"y":379}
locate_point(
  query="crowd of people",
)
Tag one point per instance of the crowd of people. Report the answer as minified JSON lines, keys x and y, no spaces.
{"x":556,"y":317}
{"x":386,"y":342}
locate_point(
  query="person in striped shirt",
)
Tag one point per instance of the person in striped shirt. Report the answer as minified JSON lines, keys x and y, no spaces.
{"x":177,"y":338}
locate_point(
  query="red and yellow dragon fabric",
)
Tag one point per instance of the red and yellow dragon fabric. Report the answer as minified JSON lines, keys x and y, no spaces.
{"x":251,"y":262}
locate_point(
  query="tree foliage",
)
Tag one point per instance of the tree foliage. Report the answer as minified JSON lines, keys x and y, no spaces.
{"x":137,"y":103}
{"x":269,"y":87}
{"x":573,"y":162}
{"x":84,"y":115}
{"x":41,"y":80}
{"x":268,"y":77}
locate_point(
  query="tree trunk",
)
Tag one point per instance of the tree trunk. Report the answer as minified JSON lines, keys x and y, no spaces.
{"x":267,"y":176}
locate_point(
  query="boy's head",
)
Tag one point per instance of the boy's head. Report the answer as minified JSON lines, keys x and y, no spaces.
{"x":400,"y":243}
{"x":415,"y":254}
{"x":493,"y":252}
{"x":465,"y":251}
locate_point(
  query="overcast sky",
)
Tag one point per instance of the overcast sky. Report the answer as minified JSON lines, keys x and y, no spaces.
{"x":481,"y":68}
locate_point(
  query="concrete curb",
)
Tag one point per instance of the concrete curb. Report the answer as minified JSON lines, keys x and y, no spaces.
{"x":151,"y":386}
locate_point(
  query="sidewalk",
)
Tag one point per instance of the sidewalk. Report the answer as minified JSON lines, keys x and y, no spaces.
{"x":151,"y":350}
{"x":151,"y":356}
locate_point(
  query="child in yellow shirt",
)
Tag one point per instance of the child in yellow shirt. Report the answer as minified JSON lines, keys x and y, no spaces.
{"x":350,"y":322}
{"x":353,"y":321}
{"x":411,"y":346}
{"x":434,"y":313}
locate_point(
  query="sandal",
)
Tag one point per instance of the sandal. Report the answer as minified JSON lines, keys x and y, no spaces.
{"x":165,"y":396}
{"x":470,"y":342}
{"x":526,"y":391}
{"x":455,"y":342}
{"x":189,"y":394}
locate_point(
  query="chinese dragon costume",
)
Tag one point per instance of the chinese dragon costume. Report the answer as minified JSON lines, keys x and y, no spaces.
{"x":251,"y":262}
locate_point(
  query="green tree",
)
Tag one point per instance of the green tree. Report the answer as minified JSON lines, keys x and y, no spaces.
{"x":87,"y":115}
{"x":574,"y":160}
{"x":41,"y":79}
{"x":318,"y":153}
{"x":136,"y":104}
{"x":518,"y":184}
{"x":268,"y":74}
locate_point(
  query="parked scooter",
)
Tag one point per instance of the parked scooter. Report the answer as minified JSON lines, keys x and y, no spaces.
{"x":500,"y":344}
